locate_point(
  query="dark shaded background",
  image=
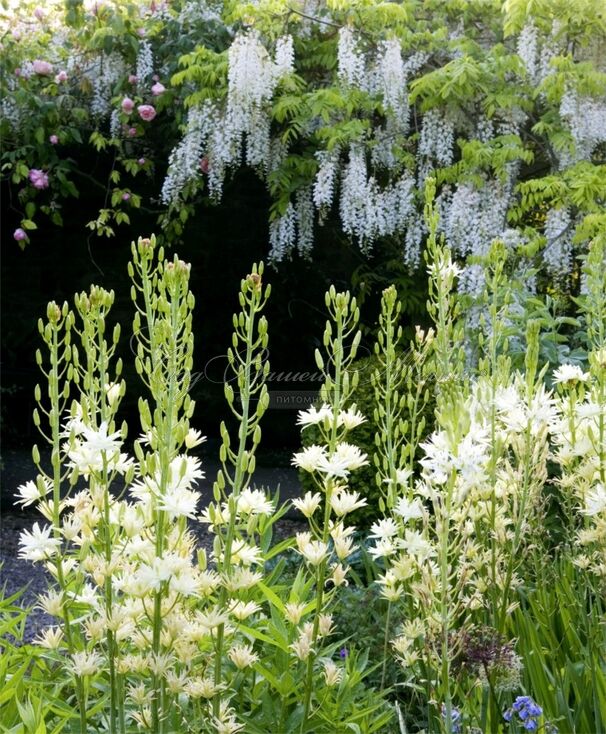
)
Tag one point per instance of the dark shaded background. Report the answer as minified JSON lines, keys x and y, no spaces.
{"x":221,"y":242}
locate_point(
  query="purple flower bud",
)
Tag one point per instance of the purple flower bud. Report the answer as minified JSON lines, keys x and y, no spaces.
{"x":20,"y":234}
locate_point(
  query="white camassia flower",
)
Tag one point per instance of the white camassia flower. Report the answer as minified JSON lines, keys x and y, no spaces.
{"x":570,"y":374}
{"x":384,"y":548}
{"x":194,"y":438}
{"x":310,"y":458}
{"x":332,"y":674}
{"x":86,"y":663}
{"x":409,"y":509}
{"x":350,"y":455}
{"x":343,"y":502}
{"x":242,"y":656}
{"x":293,"y":611}
{"x":339,"y":575}
{"x":314,"y":551}
{"x":30,"y":492}
{"x":254,"y":502}
{"x":38,"y":545}
{"x":179,"y":502}
{"x":595,"y":501}
{"x":308,"y":504}
{"x":243,"y":609}
{"x":313,"y":415}
{"x":51,"y":638}
{"x":351,"y":418}
{"x":385,"y":528}
{"x":92,"y":449}
{"x":245,"y":554}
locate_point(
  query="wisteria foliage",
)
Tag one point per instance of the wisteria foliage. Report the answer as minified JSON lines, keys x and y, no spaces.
{"x":348,"y":106}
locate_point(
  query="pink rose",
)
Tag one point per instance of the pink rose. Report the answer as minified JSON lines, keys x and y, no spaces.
{"x":204,"y":165}
{"x":158,"y":89}
{"x":127,"y":105}
{"x":53,"y":139}
{"x":141,"y":161}
{"x":20,"y":234}
{"x":125,"y":196}
{"x":39,"y":13}
{"x":141,"y":32}
{"x":132,"y":79}
{"x":132,"y":132}
{"x":38,"y":178}
{"x":61,"y":77}
{"x":42,"y":67}
{"x":146,"y":112}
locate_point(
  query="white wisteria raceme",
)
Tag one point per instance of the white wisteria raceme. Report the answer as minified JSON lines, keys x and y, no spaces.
{"x":437,"y":137}
{"x":283,"y":234}
{"x":145,"y":63}
{"x":304,"y":212}
{"x":184,"y":160}
{"x":559,"y":230}
{"x":392,"y":81}
{"x":326,"y":176}
{"x":368,"y":211}
{"x":103,"y":73}
{"x":586,"y":118}
{"x":285,"y":56}
{"x":528,"y":49}
{"x":351,"y":66}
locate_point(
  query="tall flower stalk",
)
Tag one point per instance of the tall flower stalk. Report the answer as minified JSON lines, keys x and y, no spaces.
{"x":248,"y":402}
{"x":56,"y":334}
{"x":400,"y":384}
{"x":329,"y":464}
{"x":99,"y":399}
{"x":162,"y":329}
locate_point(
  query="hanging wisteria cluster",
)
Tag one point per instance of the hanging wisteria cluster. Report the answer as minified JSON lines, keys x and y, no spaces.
{"x":245,"y":119}
{"x":353,"y":132}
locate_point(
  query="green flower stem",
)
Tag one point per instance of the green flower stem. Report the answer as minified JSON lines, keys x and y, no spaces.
{"x":166,"y":450}
{"x":252,"y":301}
{"x":321,"y":571}
{"x":446,"y":695}
{"x":54,"y":414}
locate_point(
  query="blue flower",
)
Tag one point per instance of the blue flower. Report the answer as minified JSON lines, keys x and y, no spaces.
{"x":527,"y":711}
{"x":455,"y":719}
